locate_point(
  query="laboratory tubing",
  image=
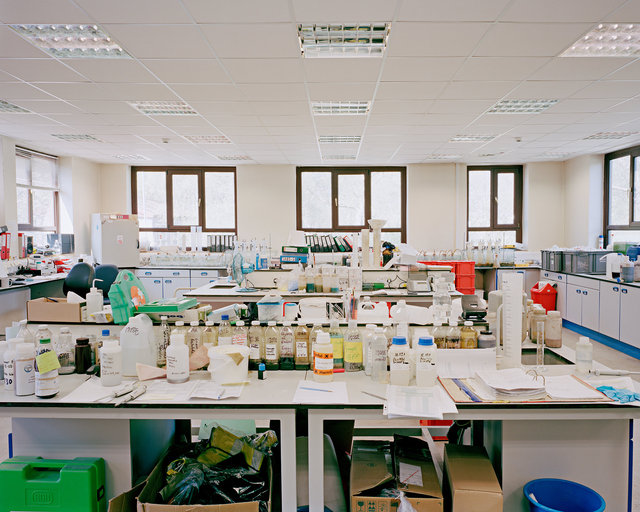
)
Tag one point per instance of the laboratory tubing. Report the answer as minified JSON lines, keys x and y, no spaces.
{"x":209,"y":335}
{"x":194,"y":337}
{"x":468,"y":336}
{"x":47,"y":382}
{"x":163,"y":342}
{"x":110,"y":363}
{"x":352,"y":348}
{"x":64,"y":348}
{"x":453,"y":335}
{"x":9,"y":364}
{"x":225,"y":334}
{"x":379,"y":352}
{"x":82,"y":355}
{"x":240,"y":334}
{"x":287,"y":352}
{"x":25,"y":372}
{"x":313,"y":334}
{"x":400,"y":362}
{"x":337,"y":340}
{"x":426,"y":362}
{"x":367,"y":336}
{"x":584,"y":355}
{"x":486,"y":340}
{"x":302,"y":352}
{"x":271,"y":346}
{"x":323,"y":358}
{"x":255,"y":342}
{"x":440,"y":334}
{"x":177,"y":359}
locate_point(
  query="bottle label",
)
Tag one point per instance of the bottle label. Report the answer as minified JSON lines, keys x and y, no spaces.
{"x":398,"y":361}
{"x":225,"y":340}
{"x":239,"y":339}
{"x":47,"y":383}
{"x":254,"y":352}
{"x":353,"y":352}
{"x":286,"y":345}
{"x":271,"y":352}
{"x":109,"y":366}
{"x":379,"y":355}
{"x":323,"y":363}
{"x":8,"y":374}
{"x":338,"y":346}
{"x":301,"y":349}
{"x":177,"y":368}
{"x":25,"y":376}
{"x":425,"y":361}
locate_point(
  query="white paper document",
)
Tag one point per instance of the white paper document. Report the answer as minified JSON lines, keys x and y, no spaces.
{"x":424,"y":403}
{"x":89,"y":391}
{"x":462,"y":364}
{"x":568,"y":388}
{"x":310,"y":392}
{"x":206,"y":389}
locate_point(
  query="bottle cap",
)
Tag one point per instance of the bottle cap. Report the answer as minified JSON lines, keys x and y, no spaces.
{"x":453,"y":323}
{"x":261,"y":367}
{"x":64,"y":330}
{"x":240,"y":323}
{"x":399,"y":340}
{"x":209,"y":323}
{"x":271,"y":323}
{"x":179,"y":323}
{"x":583,"y":340}
{"x":487,"y":332}
{"x":224,"y":317}
{"x":176,"y":338}
{"x":323,"y":337}
{"x":82,"y":341}
{"x":425,"y":341}
{"x":255,"y":323}
{"x":370,"y":326}
{"x":105,"y":332}
{"x":164,"y":317}
{"x":194,"y":323}
{"x":468,"y":323}
{"x":287,"y":323}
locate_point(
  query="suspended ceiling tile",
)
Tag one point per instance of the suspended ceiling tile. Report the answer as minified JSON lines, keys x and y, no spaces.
{"x":554,"y":11}
{"x":207,"y":92}
{"x":273,"y":92}
{"x":409,"y":90}
{"x":471,"y":90}
{"x":42,"y":11}
{"x":341,"y":91}
{"x":22,"y":91}
{"x":451,"y":10}
{"x":578,"y":68}
{"x":40,"y":70}
{"x":249,"y":71}
{"x":421,"y":39}
{"x":138,"y":11}
{"x":610,"y":89}
{"x":499,"y":68}
{"x":551,"y":89}
{"x":187,"y":71}
{"x":112,"y":70}
{"x":420,"y":69}
{"x":348,"y":70}
{"x":338,"y":11}
{"x":48,"y":106}
{"x":224,"y":11}
{"x":400,"y":106}
{"x":13,"y":46}
{"x":460,"y":106}
{"x":244,"y":41}
{"x":285,"y":108}
{"x":103,"y":91}
{"x":205,"y":108}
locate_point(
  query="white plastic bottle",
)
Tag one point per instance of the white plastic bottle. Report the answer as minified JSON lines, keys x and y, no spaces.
{"x":25,"y":372}
{"x":426,"y":362}
{"x":225,"y":334}
{"x":400,"y":361}
{"x":378,"y":353}
{"x":9,"y":364}
{"x":95,"y":300}
{"x":110,"y":364}
{"x":177,"y":359}
{"x":584,"y":355}
{"x":323,"y":358}
{"x":367,"y":337}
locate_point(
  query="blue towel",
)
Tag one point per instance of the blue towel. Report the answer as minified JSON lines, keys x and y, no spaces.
{"x":624,"y":396}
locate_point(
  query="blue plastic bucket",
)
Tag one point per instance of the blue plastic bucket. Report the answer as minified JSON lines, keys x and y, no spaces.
{"x":555,"y":495}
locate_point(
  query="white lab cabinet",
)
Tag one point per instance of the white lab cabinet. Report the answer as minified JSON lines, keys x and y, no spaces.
{"x":583,"y":303}
{"x":629,"y":315}
{"x":153,"y":287}
{"x":574,"y":304}
{"x":609,"y":312}
{"x":200,"y":277}
{"x":590,"y":308}
{"x":171,"y":285}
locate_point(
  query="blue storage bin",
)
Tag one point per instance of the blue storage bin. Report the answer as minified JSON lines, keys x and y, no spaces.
{"x":555,"y":495}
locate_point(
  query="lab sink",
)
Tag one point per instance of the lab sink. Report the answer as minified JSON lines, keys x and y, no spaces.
{"x":529,"y":357}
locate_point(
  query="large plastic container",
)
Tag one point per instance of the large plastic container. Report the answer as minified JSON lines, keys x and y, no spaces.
{"x":555,"y":495}
{"x":585,"y":262}
{"x":553,"y":260}
{"x":36,"y":484}
{"x":125,"y":295}
{"x":545,"y":296}
{"x":229,"y":364}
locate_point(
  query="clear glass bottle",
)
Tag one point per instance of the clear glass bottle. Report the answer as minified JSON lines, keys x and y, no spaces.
{"x":194,"y":337}
{"x":287,"y":347}
{"x":313,"y":336}
{"x":367,"y":337}
{"x":302,"y":349}
{"x":65,"y":348}
{"x":310,"y":275}
{"x":317,"y":280}
{"x":209,"y":335}
{"x":440,"y":334}
{"x":389,"y":332}
{"x":468,"y":336}
{"x":25,"y":333}
{"x":353,"y":348}
{"x":453,"y":335}
{"x":337,"y":340}
{"x":239,"y":334}
{"x":225,"y":333}
{"x":46,"y":383}
{"x":163,"y":342}
{"x":255,"y":339}
{"x":442,"y":301}
{"x":379,"y":353}
{"x":272,"y":346}
{"x":43,"y":333}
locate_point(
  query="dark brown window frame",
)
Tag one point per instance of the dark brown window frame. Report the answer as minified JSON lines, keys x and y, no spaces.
{"x":55,"y":228}
{"x":171,"y":171}
{"x":366,"y":171}
{"x":632,"y":152}
{"x":517,"y":171}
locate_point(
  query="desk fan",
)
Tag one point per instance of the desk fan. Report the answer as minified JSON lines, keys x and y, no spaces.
{"x":239,"y":269}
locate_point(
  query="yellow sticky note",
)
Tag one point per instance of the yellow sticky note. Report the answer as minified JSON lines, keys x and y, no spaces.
{"x":47,"y":362}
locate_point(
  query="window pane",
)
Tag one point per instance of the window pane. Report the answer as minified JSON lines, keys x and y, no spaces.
{"x":185,"y":199}
{"x":619,"y":179}
{"x":351,"y":200}
{"x":43,"y":172}
{"x":22,"y":170}
{"x":23,"y":205}
{"x":636,"y":190}
{"x":506,"y":199}
{"x":507,"y":237}
{"x":316,"y":199}
{"x":386,"y":198}
{"x":479,"y":201}
{"x":220,"y":200}
{"x":43,"y":208}
{"x":624,"y":236}
{"x":152,"y":199}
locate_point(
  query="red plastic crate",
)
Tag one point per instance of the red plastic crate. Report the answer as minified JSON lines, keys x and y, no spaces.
{"x":466,"y":291}
{"x":463,"y":281}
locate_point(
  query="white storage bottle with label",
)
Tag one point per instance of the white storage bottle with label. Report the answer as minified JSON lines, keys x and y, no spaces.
{"x":426,"y":362}
{"x":400,"y":361}
{"x":323,"y":358}
{"x":225,"y":335}
{"x":9,"y":364}
{"x":46,"y":383}
{"x":177,"y":359}
{"x":110,"y":364}
{"x":584,"y":355}
{"x":25,"y":372}
{"x":379,"y":351}
{"x":271,"y":346}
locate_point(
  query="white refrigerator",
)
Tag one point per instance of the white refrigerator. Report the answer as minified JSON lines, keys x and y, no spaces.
{"x":115,"y":239}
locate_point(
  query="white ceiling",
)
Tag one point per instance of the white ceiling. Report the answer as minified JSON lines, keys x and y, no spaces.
{"x":238,"y":64}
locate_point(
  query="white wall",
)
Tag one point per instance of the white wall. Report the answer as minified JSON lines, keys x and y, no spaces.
{"x":583,"y":198}
{"x":543,"y":205}
{"x":8,"y":198}
{"x":115,"y":188}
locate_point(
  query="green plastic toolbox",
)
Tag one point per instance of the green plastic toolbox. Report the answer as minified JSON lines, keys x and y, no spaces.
{"x":44,"y":485}
{"x":126,"y":294}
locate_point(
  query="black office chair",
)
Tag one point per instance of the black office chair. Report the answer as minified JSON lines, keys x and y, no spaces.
{"x":108,"y":274}
{"x":79,"y":279}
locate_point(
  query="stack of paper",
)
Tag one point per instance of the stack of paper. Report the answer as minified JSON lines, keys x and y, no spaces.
{"x":512,"y":384}
{"x":415,"y":402}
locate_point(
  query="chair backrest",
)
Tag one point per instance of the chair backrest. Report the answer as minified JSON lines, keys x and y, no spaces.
{"x":108,"y":274}
{"x":79,"y":279}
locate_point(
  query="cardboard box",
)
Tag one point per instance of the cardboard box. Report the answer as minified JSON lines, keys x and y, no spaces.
{"x":372,"y":467}
{"x":47,"y":310}
{"x":469,"y":481}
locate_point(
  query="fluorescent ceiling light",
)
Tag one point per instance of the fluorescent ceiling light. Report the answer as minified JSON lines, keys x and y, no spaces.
{"x":233,"y":157}
{"x":338,"y":157}
{"x":607,"y":40}
{"x":72,"y":137}
{"x":556,"y":155}
{"x":339,"y":139}
{"x":343,"y":40}
{"x":72,"y":41}
{"x":490,"y":155}
{"x":163,"y":108}
{"x":472,"y":138}
{"x":10,"y":108}
{"x":135,"y":158}
{"x":207,"y":139}
{"x":340,"y":108}
{"x":609,"y":135}
{"x":442,"y":157}
{"x":521,"y":106}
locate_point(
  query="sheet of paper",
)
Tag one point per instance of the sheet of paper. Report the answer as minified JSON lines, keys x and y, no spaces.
{"x":88,"y":392}
{"x":567,"y":387}
{"x":161,"y":390}
{"x":310,"y":392}
{"x":208,"y":390}
{"x":425,"y":403}
{"x":410,"y":474}
{"x":617,"y":382}
{"x":462,"y":364}
{"x":511,"y":380}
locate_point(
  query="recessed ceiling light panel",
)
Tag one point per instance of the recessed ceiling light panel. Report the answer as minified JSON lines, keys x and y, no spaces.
{"x":339,"y":139}
{"x":338,"y":157}
{"x":207,"y":139}
{"x":72,"y":137}
{"x":521,"y":106}
{"x":72,"y":41}
{"x":340,"y":108}
{"x":609,"y":135}
{"x":163,"y":108}
{"x":233,"y":157}
{"x":442,"y":157}
{"x":133,"y":158}
{"x":10,"y":108}
{"x":343,"y":40}
{"x":472,"y":138}
{"x":607,"y":40}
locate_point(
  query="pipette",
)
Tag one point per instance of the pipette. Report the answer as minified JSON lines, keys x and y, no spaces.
{"x":618,"y":373}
